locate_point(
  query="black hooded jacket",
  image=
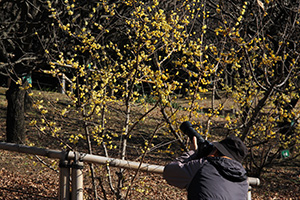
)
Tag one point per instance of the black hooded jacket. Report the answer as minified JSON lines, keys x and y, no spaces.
{"x":208,"y":178}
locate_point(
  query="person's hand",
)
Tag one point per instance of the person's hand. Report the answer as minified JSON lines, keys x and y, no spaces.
{"x":194,"y":145}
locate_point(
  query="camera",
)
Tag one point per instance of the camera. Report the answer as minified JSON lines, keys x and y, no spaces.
{"x":204,"y":146}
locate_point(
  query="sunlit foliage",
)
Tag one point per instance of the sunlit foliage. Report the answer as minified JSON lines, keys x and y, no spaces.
{"x":120,"y":55}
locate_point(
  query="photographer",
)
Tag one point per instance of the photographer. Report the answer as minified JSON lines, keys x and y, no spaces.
{"x":218,"y":175}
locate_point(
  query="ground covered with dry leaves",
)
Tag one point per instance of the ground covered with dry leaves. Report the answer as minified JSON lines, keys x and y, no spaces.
{"x":21,"y":178}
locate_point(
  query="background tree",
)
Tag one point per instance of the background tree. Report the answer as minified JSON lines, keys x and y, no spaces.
{"x":21,"y":52}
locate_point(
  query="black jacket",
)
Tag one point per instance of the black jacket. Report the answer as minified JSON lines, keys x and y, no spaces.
{"x":208,"y":178}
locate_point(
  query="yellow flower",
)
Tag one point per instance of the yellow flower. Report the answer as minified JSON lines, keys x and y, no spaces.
{"x":32,"y":123}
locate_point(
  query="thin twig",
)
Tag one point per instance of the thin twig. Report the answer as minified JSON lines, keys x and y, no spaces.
{"x":44,"y":163}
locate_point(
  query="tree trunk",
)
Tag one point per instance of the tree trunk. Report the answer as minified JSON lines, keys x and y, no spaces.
{"x":15,"y":114}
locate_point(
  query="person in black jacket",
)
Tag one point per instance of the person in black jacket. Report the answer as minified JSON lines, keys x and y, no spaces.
{"x":220,"y":175}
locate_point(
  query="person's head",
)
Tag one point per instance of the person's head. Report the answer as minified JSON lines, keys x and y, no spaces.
{"x":232,"y":147}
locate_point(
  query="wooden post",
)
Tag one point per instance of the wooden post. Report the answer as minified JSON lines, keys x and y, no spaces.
{"x":64,"y":180}
{"x":77,"y":178}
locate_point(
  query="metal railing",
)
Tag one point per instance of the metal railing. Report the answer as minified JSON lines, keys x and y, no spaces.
{"x":71,"y":165}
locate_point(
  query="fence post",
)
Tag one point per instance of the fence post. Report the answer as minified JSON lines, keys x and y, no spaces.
{"x":249,"y":193}
{"x":64,"y":180}
{"x":252,"y":181}
{"x":77,"y":178}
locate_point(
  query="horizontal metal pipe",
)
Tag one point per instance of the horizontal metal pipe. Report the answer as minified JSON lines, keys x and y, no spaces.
{"x":118,"y":163}
{"x":33,"y":150}
{"x":93,"y":159}
{"x":253,"y":181}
